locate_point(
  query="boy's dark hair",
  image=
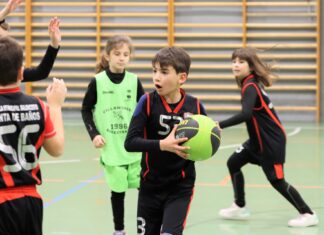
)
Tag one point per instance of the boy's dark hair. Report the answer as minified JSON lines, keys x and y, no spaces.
{"x":11,"y":59}
{"x":176,"y":57}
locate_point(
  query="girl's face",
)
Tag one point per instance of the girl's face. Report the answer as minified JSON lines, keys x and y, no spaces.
{"x":167,"y":82}
{"x":240,"y":68}
{"x":118,"y":58}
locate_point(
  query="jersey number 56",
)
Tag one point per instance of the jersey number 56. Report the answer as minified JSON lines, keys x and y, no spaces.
{"x":18,"y":155}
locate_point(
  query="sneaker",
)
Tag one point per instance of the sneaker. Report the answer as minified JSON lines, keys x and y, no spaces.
{"x":235,"y":212}
{"x":304,"y":220}
{"x":119,"y":233}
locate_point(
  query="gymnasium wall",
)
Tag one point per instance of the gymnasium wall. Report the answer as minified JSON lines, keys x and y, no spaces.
{"x":287,"y":34}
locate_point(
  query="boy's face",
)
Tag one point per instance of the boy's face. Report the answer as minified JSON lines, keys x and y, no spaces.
{"x":166,"y":80}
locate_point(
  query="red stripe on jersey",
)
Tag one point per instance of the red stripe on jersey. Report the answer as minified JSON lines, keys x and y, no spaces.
{"x":179,"y":106}
{"x":6,"y":176}
{"x":198,"y":106}
{"x":188,"y":209}
{"x":49,"y":130}
{"x":265,"y":106}
{"x":258,"y":91}
{"x":38,"y":145}
{"x":48,"y":126}
{"x":12,"y":193}
{"x":273,"y":117}
{"x":34,"y":174}
{"x":146,"y":156}
{"x":166,"y":105}
{"x":10,"y":90}
{"x":147,"y":165}
{"x":183,"y":173}
{"x":256,"y":126}
{"x":248,"y":78}
{"x":279,"y":171}
{"x":148,"y":106}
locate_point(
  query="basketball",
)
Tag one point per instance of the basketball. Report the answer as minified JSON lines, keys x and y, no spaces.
{"x":203,"y":136}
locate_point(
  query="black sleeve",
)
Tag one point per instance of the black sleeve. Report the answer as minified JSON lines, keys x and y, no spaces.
{"x":44,"y":68}
{"x":202,"y":109}
{"x":248,"y":101}
{"x":88,"y":103}
{"x":135,"y":141}
{"x":140,"y":90}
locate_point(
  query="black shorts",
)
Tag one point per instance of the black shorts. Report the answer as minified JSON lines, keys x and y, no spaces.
{"x":23,"y":215}
{"x":243,"y":155}
{"x":163,"y":210}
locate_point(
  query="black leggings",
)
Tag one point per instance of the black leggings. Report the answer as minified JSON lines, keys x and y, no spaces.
{"x":241,"y":158}
{"x":117,"y":204}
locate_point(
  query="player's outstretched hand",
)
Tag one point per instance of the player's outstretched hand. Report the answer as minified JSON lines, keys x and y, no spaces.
{"x":98,"y":141}
{"x":171,"y":144}
{"x":55,"y":93}
{"x":54,"y":32}
{"x":9,"y":7}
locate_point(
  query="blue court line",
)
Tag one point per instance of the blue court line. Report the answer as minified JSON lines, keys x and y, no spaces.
{"x":72,"y":190}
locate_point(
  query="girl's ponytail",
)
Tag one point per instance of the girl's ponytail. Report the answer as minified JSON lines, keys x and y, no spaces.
{"x":103,"y":64}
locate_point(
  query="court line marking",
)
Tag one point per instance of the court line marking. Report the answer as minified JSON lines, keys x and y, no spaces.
{"x":73,"y":190}
{"x":229,"y":146}
{"x":94,"y":179}
{"x":294,"y":132}
{"x":206,"y":184}
{"x":59,"y":161}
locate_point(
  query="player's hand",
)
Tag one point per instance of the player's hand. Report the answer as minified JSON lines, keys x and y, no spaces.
{"x":171,"y":144}
{"x":54,"y":32}
{"x":98,"y":141}
{"x":56,"y":93}
{"x":10,"y":7}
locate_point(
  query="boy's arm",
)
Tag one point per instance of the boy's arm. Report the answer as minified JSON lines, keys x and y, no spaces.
{"x":44,"y":68}
{"x":88,"y":104}
{"x":56,"y":93}
{"x":135,"y":141}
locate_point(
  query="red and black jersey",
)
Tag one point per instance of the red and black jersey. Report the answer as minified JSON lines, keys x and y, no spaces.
{"x":267,"y":136}
{"x":152,"y":121}
{"x":24,"y":123}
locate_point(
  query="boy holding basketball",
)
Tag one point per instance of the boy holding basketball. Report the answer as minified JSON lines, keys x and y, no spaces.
{"x":167,"y":178}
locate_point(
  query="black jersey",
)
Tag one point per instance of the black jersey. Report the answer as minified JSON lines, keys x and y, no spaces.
{"x":152,"y":121}
{"x":24,"y":123}
{"x":267,"y":136}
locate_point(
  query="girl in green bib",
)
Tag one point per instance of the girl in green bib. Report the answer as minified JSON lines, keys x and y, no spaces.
{"x":107,"y":109}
